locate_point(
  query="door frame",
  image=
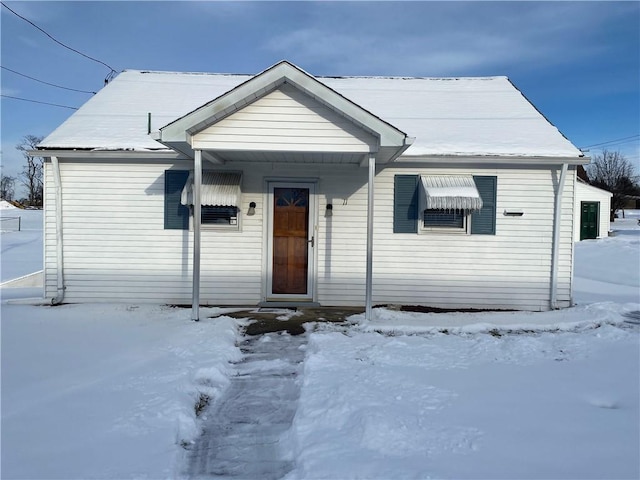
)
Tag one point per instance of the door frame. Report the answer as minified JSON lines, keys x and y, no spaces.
{"x":270,"y":185}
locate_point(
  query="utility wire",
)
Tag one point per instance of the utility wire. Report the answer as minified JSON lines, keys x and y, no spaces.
{"x":611,"y":145}
{"x":38,"y":101}
{"x":109,"y":76}
{"x":632,"y":137}
{"x":46,"y":83}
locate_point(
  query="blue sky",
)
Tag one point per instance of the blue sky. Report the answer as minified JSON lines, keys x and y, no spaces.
{"x":577,"y":62}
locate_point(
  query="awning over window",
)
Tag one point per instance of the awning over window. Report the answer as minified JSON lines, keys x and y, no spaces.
{"x":218,"y":189}
{"x":450,"y":192}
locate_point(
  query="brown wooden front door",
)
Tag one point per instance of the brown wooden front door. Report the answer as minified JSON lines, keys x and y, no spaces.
{"x":290,"y":241}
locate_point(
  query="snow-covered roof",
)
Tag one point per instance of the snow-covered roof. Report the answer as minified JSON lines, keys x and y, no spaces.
{"x":447,"y":116}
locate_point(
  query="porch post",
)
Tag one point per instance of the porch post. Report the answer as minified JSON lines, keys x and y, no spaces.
{"x":197,"y":220}
{"x":555,"y":243}
{"x":369,"y":276}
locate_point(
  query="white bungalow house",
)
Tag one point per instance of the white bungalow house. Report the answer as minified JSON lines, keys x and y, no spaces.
{"x":591,"y":210}
{"x":283,"y":188}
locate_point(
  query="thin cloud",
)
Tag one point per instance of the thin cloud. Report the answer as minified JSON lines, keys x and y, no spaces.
{"x":9,"y":91}
{"x":40,"y":12}
{"x":223,"y":10}
{"x":454,"y":39}
{"x":29,"y":41}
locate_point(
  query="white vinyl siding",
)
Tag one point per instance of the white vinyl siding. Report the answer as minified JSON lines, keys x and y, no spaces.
{"x":510,"y":269}
{"x":285,"y":120}
{"x":116,"y":247}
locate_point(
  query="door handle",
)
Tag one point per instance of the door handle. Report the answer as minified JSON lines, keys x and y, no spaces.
{"x":312,"y":241}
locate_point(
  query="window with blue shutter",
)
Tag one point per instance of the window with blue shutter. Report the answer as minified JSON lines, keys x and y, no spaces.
{"x":483,"y":222}
{"x":405,"y":204}
{"x":176,"y":215}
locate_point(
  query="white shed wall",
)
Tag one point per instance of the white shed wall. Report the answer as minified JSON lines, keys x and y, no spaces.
{"x":116,"y":248}
{"x":588,"y":193}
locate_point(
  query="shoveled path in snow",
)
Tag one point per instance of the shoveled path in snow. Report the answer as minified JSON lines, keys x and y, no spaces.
{"x":243,"y":429}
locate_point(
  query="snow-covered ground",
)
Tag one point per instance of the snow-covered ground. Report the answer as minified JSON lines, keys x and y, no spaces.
{"x":108,"y":391}
{"x":21,"y":250}
{"x":548,"y":405}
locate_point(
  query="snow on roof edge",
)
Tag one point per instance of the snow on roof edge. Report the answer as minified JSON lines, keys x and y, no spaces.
{"x":424,"y":155}
{"x":332,"y":77}
{"x":543,"y":115}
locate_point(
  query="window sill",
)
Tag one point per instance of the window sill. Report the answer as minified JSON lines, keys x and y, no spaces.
{"x":443,"y":231}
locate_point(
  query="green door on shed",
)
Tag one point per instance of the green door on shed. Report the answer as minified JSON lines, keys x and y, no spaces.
{"x":589,"y":220}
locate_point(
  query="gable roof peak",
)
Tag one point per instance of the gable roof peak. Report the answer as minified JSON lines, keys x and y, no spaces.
{"x":265,"y":82}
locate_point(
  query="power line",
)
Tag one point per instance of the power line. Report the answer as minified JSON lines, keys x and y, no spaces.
{"x":38,"y":101}
{"x":46,"y":83}
{"x":109,"y":76}
{"x":613,"y":141}
{"x":618,"y":144}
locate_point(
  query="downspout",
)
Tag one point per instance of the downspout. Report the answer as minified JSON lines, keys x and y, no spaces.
{"x":59,"y":246}
{"x":368,"y":312}
{"x":557,"y":221}
{"x":197,"y":220}
{"x":369,"y":274}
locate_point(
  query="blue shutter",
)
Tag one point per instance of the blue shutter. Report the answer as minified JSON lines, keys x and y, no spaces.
{"x":483,"y":222}
{"x":176,"y":215}
{"x":405,"y":204}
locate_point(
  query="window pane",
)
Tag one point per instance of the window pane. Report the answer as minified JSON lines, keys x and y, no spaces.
{"x":219,"y":215}
{"x":291,"y":197}
{"x":443,"y":218}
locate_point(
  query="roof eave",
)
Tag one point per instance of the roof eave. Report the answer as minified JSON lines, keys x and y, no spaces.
{"x":494,"y":159}
{"x":48,"y":152}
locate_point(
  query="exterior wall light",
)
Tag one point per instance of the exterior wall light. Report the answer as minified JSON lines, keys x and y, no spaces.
{"x":329,"y":211}
{"x":252,"y":209}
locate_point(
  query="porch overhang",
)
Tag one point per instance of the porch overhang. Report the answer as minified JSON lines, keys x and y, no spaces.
{"x":254,"y":122}
{"x":181,"y":135}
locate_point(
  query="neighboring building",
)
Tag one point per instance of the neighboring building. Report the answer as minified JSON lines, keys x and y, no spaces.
{"x":591,"y":212}
{"x":632,"y":202}
{"x":334,"y":191}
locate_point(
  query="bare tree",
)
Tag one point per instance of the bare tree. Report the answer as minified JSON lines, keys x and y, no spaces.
{"x":31,"y":176}
{"x":613,"y":172}
{"x":7,"y":185}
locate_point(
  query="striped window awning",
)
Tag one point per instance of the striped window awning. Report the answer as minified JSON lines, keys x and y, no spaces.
{"x":450,"y":192}
{"x":218,"y":189}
